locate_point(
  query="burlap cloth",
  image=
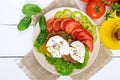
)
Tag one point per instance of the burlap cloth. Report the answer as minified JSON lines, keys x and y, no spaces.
{"x":36,"y":72}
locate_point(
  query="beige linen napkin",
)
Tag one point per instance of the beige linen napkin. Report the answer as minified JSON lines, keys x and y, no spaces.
{"x":36,"y":72}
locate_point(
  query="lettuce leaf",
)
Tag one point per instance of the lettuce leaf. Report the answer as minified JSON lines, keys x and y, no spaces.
{"x":65,"y":68}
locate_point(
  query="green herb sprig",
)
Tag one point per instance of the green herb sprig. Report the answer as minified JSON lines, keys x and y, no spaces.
{"x":28,"y":10}
{"x":114,"y":7}
{"x":43,"y":32}
{"x":24,"y":23}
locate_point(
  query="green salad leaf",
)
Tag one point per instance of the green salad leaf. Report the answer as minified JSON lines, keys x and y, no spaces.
{"x":62,"y":67}
{"x":82,"y":65}
{"x":42,"y":24}
{"x":43,"y":33}
{"x":24,"y":23}
{"x":31,"y":9}
{"x":40,"y":40}
{"x":65,"y":68}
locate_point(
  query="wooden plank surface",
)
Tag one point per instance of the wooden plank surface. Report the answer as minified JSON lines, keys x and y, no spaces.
{"x":14,"y":44}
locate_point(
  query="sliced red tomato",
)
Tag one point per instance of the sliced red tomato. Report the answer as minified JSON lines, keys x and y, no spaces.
{"x":71,"y":25}
{"x":56,"y":24}
{"x":75,"y":32}
{"x":84,"y":35}
{"x":63,"y":23}
{"x":89,"y":44}
{"x":50,"y":25}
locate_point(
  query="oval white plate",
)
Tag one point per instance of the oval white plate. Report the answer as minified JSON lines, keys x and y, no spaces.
{"x":40,"y":57}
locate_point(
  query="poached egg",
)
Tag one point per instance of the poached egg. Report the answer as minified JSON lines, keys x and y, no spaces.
{"x":58,"y":46}
{"x":77,"y":51}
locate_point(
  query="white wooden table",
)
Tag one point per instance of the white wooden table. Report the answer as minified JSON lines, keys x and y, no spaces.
{"x":15,"y":44}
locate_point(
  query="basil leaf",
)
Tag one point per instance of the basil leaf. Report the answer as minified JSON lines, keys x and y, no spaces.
{"x":68,"y":36}
{"x":24,"y":23}
{"x":42,"y":36}
{"x":31,"y":9}
{"x":40,"y":40}
{"x":42,"y":23}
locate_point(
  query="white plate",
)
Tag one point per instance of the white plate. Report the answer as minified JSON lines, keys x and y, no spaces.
{"x":40,"y":57}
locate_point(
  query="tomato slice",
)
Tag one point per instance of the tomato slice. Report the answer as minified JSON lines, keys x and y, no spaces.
{"x":89,"y":44}
{"x":50,"y":25}
{"x":71,"y":25}
{"x":63,"y":23}
{"x":84,"y":35}
{"x":56,"y":24}
{"x":75,"y":33}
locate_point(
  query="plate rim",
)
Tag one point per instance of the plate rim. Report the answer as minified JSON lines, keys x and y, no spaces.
{"x":98,"y":39}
